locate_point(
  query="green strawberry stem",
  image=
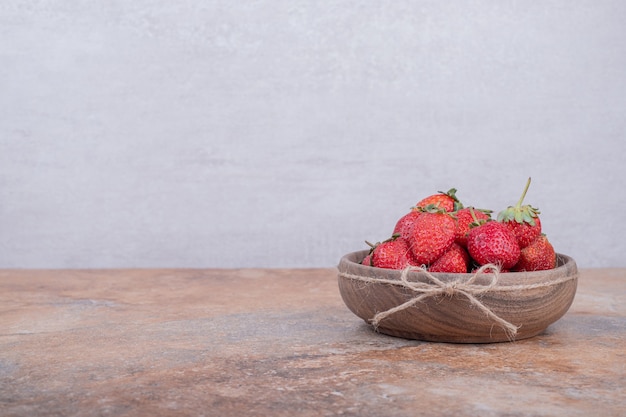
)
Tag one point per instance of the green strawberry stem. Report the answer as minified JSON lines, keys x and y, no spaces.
{"x":435,"y":209}
{"x":519,"y":213}
{"x":521,"y":200}
{"x":452,"y":194}
{"x":477,"y":222}
{"x":373,"y":245}
{"x":473,"y":214}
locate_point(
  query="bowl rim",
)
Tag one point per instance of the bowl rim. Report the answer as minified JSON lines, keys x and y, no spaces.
{"x":566,"y":266}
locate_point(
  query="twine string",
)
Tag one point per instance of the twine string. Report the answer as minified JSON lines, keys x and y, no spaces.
{"x":437,"y":287}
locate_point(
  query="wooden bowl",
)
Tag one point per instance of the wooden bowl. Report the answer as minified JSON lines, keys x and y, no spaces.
{"x":460,"y":308}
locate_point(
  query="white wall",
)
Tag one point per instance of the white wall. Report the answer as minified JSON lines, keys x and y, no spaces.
{"x":150,"y":133}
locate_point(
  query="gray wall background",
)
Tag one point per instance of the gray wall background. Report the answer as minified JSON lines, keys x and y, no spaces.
{"x":149,"y":133}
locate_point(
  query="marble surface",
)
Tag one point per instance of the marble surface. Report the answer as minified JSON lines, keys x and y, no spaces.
{"x":280,"y":342}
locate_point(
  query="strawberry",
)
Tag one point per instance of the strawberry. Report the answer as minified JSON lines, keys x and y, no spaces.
{"x":464,"y":220}
{"x":367,"y":260}
{"x":523,"y":221}
{"x":537,"y":256}
{"x":393,"y":253}
{"x":446,"y":201}
{"x":405,"y":224}
{"x":432,"y":235}
{"x":455,"y":260}
{"x":493,"y":242}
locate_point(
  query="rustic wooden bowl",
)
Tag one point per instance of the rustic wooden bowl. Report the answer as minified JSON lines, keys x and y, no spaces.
{"x":529,"y":301}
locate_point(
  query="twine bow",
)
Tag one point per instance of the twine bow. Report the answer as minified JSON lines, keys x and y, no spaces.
{"x":466,"y":288}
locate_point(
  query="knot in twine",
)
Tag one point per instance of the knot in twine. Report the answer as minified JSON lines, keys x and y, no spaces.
{"x":437,"y":287}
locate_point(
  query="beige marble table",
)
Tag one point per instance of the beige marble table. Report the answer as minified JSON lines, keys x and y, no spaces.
{"x":254,"y":342}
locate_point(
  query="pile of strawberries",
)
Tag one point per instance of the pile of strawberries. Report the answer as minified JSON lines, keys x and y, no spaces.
{"x":442,"y":235}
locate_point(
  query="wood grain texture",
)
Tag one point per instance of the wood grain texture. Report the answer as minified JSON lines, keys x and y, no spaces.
{"x":519,"y":298}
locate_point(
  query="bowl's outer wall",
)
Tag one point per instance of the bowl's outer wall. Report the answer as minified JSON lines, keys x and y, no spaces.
{"x":454,"y":318}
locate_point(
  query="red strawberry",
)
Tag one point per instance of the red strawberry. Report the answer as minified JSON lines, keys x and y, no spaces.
{"x":432,"y":235}
{"x":523,"y":221}
{"x":464,"y":219}
{"x":455,"y":260}
{"x":493,"y":242}
{"x":537,"y":256}
{"x":367,"y":260}
{"x":446,"y":201}
{"x":405,"y":224}
{"x":393,"y":253}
